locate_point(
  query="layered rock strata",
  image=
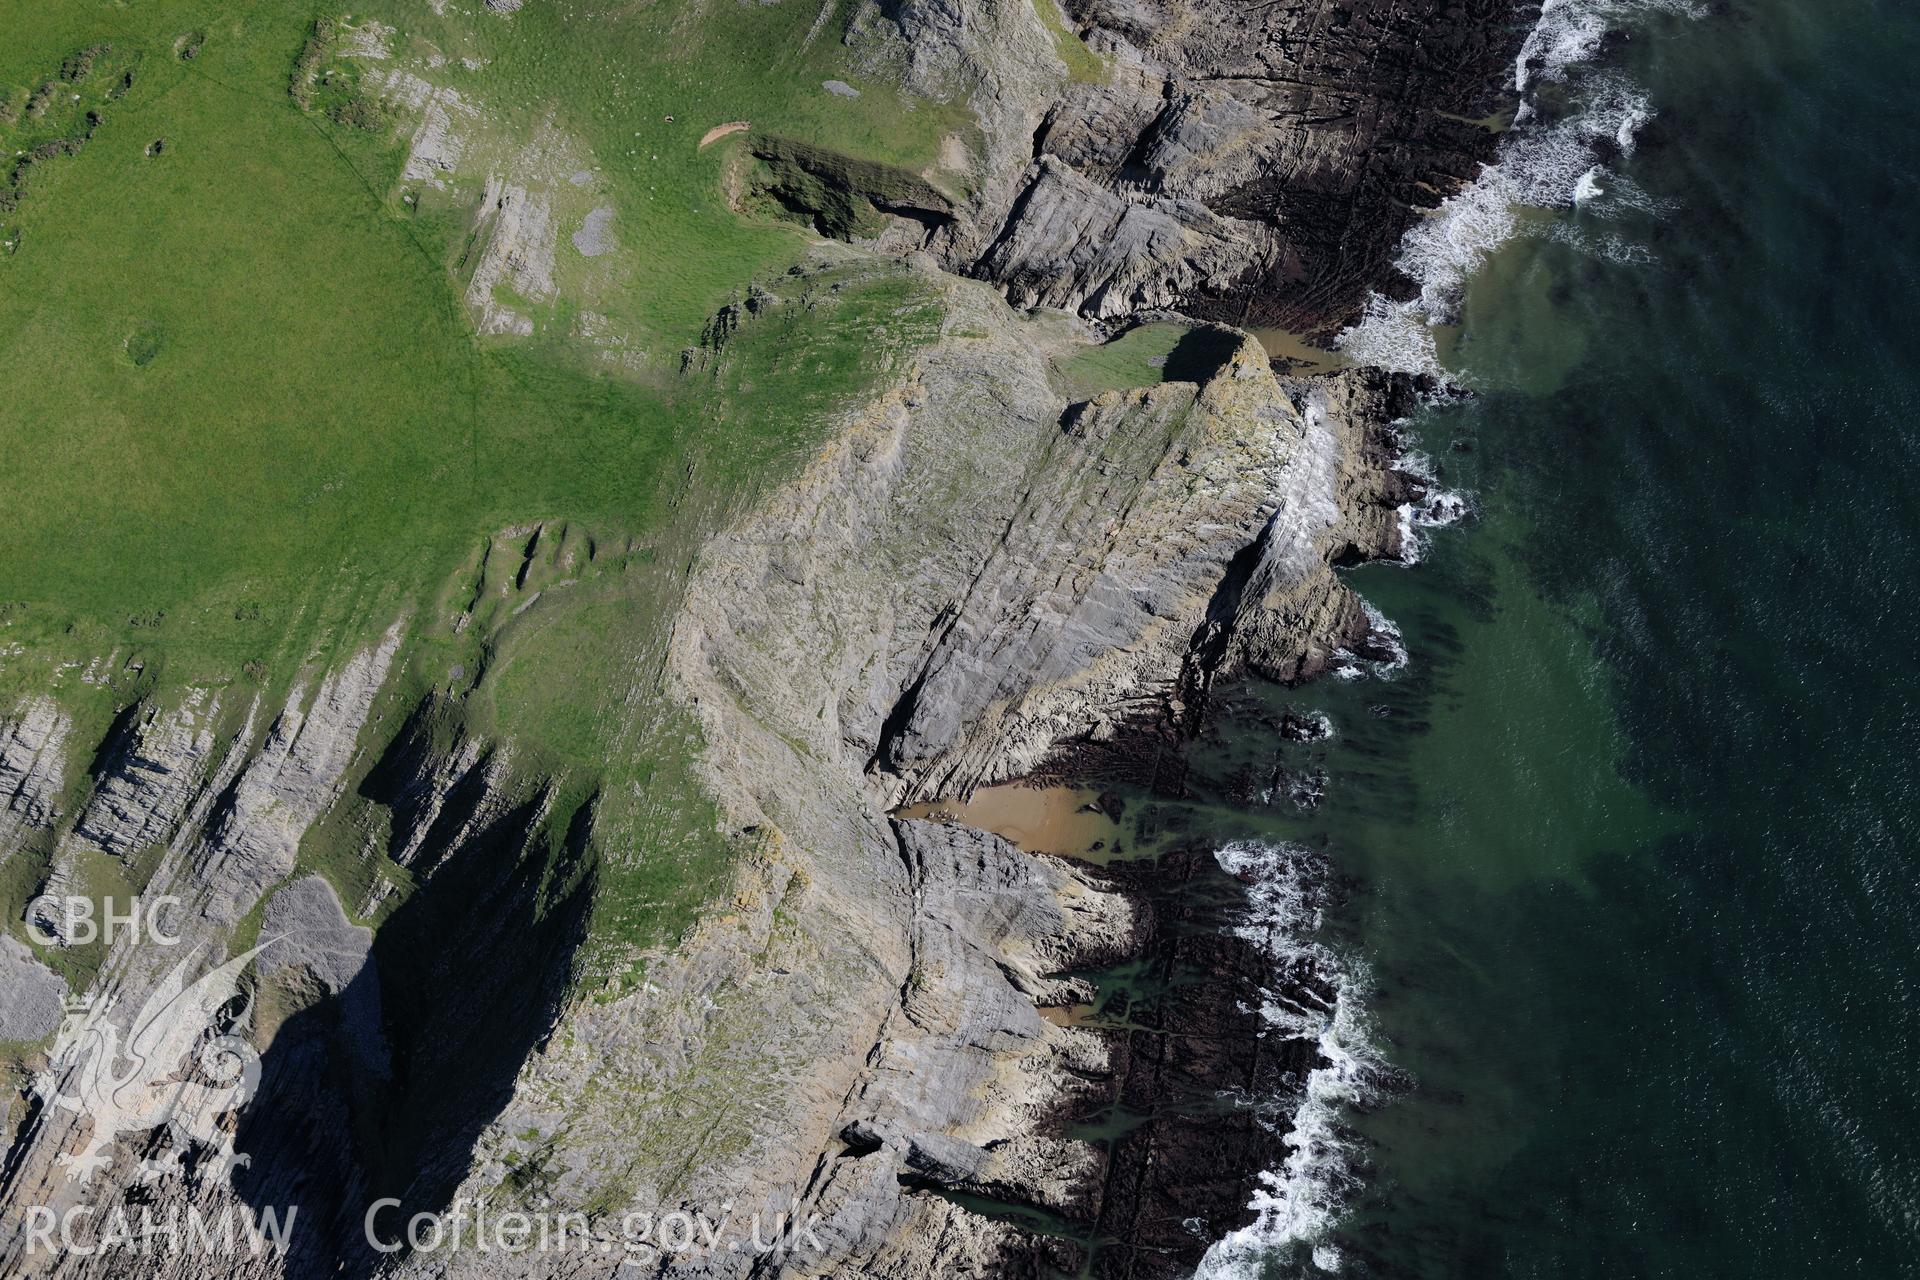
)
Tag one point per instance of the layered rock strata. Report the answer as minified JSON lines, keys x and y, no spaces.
{"x":983,"y":575}
{"x":1252,"y":163}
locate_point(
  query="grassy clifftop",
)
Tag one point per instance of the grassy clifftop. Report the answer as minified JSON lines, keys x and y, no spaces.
{"x":254,"y":411}
{"x":242,"y":380}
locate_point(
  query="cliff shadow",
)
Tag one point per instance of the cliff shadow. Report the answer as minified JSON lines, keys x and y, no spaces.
{"x":1200,"y":353}
{"x":383,"y":1088}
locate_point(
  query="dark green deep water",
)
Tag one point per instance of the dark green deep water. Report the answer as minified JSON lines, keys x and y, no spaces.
{"x":1633,"y":833}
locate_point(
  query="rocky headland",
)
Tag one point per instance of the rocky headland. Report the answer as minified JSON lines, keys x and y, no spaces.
{"x":985,"y":574}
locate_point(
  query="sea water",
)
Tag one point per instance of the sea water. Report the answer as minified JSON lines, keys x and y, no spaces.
{"x":1627,"y":959}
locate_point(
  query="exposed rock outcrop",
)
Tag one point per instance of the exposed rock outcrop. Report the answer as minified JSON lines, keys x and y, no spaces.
{"x":30,"y":994}
{"x":316,"y":937}
{"x":1034,"y":569}
{"x":346,"y":1097}
{"x":284,"y":789}
{"x":151,"y":778}
{"x":517,"y":226}
{"x":231,"y":813}
{"x":959,"y":1090}
{"x":1073,"y":243}
{"x":32,"y":771}
{"x":975,"y":570}
{"x":1254,"y":163}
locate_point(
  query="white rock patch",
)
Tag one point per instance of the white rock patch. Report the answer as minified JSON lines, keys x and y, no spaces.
{"x":30,"y":993}
{"x":595,"y":237}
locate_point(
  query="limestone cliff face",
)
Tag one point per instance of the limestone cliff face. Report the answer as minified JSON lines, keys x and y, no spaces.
{"x":340,"y":1102}
{"x":1040,"y":570}
{"x":32,"y":766}
{"x":228,"y":812}
{"x":1254,"y":163}
{"x":976,"y":571}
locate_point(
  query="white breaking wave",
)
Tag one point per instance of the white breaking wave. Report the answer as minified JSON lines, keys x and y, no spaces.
{"x":1436,"y":509}
{"x":1569,"y":32}
{"x":1297,"y":1206}
{"x":1433,"y":507}
{"x":1543,"y":164}
{"x":1383,"y":636}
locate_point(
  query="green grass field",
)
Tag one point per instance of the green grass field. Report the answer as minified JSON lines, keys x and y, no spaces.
{"x":1145,"y":355}
{"x":248,"y":421}
{"x":239,"y":376}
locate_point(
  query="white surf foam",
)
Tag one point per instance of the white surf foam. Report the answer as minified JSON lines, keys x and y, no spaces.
{"x":1434,"y":509}
{"x":1570,"y":32}
{"x":1297,"y":1205}
{"x":1383,"y":636}
{"x":1432,"y":506}
{"x":1545,"y":162}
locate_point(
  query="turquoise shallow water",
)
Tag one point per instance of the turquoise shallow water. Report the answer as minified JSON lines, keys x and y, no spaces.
{"x":1633,"y":833}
